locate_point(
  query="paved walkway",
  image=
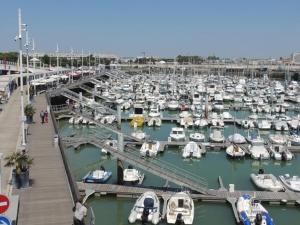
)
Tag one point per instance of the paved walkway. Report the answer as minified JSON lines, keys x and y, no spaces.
{"x":10,"y":126}
{"x":48,"y":201}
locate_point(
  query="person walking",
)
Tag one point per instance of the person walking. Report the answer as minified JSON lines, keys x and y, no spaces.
{"x":80,"y":211}
{"x":42,"y":115}
{"x":46,"y":116}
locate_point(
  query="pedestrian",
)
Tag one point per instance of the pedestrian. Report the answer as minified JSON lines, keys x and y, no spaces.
{"x":80,"y":211}
{"x":46,"y":116}
{"x":42,"y":115}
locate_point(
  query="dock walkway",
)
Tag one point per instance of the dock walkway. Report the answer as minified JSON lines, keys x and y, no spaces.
{"x":48,"y":201}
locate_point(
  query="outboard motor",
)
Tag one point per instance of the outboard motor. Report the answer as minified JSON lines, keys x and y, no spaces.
{"x":179,"y":219}
{"x":154,"y":123}
{"x":148,"y":153}
{"x":145,"y":216}
{"x":258,"y":219}
{"x":261,"y":171}
{"x":191,"y":154}
{"x":102,"y":168}
{"x":282,"y":128}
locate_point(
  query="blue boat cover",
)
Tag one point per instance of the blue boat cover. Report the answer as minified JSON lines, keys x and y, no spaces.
{"x":148,"y":203}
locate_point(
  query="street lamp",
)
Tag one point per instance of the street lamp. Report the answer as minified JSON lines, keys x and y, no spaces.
{"x":27,"y":62}
{"x":21,"y":28}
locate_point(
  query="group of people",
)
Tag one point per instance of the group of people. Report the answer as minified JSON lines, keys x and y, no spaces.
{"x":44,"y":116}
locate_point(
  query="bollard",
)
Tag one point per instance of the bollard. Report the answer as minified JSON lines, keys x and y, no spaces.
{"x":55,"y":140}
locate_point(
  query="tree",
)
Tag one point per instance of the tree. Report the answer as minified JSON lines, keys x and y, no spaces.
{"x":45,"y":59}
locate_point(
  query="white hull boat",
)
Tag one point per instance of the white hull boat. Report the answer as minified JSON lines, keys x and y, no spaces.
{"x":191,"y":150}
{"x":146,"y":209}
{"x":292,"y":183}
{"x":198,"y":137}
{"x":251,"y":212}
{"x":180,"y":209}
{"x":150,"y":148}
{"x":177,"y":134}
{"x":267,"y":182}
{"x":234,"y":151}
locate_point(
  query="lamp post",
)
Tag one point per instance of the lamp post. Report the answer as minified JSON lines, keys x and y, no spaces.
{"x":57,"y":60}
{"x":27,"y":62}
{"x":21,"y":77}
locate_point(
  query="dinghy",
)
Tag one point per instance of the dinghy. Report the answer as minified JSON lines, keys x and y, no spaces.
{"x":234,"y":151}
{"x":180,"y":209}
{"x":267,"y":182}
{"x":292,"y":183}
{"x":191,"y":150}
{"x":146,"y":209}
{"x":97,"y":176}
{"x":198,"y":137}
{"x":251,"y":212}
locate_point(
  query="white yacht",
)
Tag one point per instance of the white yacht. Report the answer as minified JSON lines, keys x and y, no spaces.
{"x":291,"y":182}
{"x":139,"y":134}
{"x":177,"y":134}
{"x":265,"y":125}
{"x":180,"y":209}
{"x":154,"y":112}
{"x":146,"y":209}
{"x":173,"y":105}
{"x":191,"y":150}
{"x":150,"y":148}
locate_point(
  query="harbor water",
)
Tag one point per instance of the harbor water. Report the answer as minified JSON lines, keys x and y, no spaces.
{"x":112,"y":210}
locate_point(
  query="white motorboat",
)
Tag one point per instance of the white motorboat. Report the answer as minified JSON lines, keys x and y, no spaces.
{"x":201,"y":123}
{"x":217,"y":122}
{"x":173,"y":105}
{"x":185,"y":114}
{"x":237,"y":138}
{"x":295,"y":140}
{"x":154,"y":112}
{"x":198,"y":137}
{"x":139,"y":134}
{"x":216,"y":135}
{"x":154,"y":122}
{"x":109,"y":119}
{"x":251,"y":212}
{"x":234,"y":151}
{"x":186,"y":122}
{"x":281,"y":126}
{"x":248,"y":124}
{"x":257,"y":148}
{"x":265,"y":125}
{"x":146,"y":209}
{"x":267,"y":182}
{"x":291,"y":182}
{"x":177,"y":134}
{"x":191,"y":150}
{"x":180,"y":209}
{"x":226,"y":115}
{"x":150,"y":148}
{"x":278,"y":139}
{"x":131,"y":175}
{"x":280,"y":152}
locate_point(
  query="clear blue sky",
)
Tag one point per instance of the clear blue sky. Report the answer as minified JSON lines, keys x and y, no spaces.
{"x":227,"y":28}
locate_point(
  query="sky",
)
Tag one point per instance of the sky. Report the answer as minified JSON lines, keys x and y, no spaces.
{"x":225,"y":28}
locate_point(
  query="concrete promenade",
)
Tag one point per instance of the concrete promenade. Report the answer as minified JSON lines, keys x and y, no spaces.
{"x":10,"y":127}
{"x":48,"y":201}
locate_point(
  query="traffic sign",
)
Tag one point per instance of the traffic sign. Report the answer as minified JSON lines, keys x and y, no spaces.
{"x":4,"y":220}
{"x":4,"y":204}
